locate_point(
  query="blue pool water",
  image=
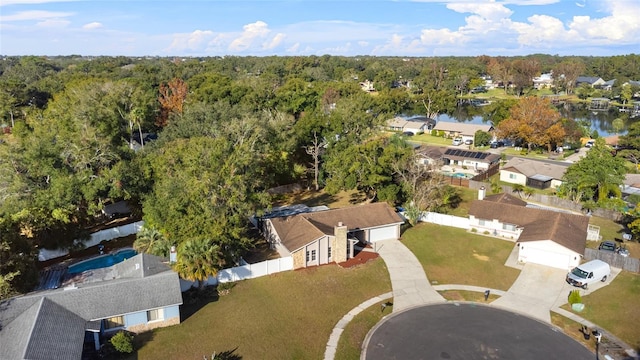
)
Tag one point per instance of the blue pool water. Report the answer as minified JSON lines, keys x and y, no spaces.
{"x":101,"y":261}
{"x":459,"y":175}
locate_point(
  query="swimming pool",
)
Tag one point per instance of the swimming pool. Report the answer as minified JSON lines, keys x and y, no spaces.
{"x":459,"y":175}
{"x":101,"y":261}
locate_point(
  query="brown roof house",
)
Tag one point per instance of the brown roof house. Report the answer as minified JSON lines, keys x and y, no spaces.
{"x":323,"y":237}
{"x":534,"y":173}
{"x":545,"y":237}
{"x":464,"y":130}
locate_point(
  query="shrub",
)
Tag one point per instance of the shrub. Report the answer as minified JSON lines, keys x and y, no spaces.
{"x":123,"y":342}
{"x":575,"y":297}
{"x":474,"y":230}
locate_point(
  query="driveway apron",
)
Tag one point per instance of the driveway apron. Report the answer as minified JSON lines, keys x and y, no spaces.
{"x":535,"y":291}
{"x":408,"y":280}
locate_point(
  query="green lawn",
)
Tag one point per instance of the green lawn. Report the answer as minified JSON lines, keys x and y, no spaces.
{"x":352,"y":338}
{"x":614,"y":308}
{"x":454,"y":256}
{"x":289,"y":315}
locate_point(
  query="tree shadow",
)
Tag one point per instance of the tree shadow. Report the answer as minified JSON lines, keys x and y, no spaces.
{"x":194,"y":299}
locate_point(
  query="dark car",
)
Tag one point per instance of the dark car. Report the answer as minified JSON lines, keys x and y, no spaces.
{"x":496,"y":144}
{"x":479,"y":89}
{"x":407,"y":133}
{"x":607,"y":246}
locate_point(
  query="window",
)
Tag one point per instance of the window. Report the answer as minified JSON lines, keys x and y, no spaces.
{"x":313,"y":255}
{"x":512,"y":176}
{"x":481,"y":222}
{"x":329,"y":253}
{"x":114,"y":322}
{"x":509,"y":227}
{"x":155,"y":315}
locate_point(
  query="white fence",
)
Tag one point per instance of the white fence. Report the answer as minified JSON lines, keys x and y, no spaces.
{"x":446,"y":220}
{"x":243,"y":272}
{"x":95,"y":239}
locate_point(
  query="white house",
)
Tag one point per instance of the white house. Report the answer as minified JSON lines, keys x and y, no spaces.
{"x":545,"y":237}
{"x":464,"y":130}
{"x":413,"y":125}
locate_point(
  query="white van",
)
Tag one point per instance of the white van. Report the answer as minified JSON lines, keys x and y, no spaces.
{"x":588,"y":273}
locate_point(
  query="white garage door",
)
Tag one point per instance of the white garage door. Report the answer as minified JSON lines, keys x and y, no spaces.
{"x":383,"y":233}
{"x":548,"y":258}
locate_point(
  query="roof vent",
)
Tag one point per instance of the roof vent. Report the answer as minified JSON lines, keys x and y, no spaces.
{"x":339,"y":223}
{"x":70,"y":287}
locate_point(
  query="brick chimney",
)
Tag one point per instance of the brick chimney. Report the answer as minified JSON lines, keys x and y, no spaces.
{"x":339,"y":243}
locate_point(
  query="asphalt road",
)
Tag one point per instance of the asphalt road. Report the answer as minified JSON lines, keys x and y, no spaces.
{"x":469,"y":331}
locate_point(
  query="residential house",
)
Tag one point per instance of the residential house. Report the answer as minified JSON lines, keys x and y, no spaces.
{"x":592,"y":81}
{"x":533,"y":173}
{"x":544,"y":81}
{"x":367,"y":86}
{"x":430,"y":155}
{"x":631,"y":185}
{"x":136,"y":295}
{"x":469,"y":159}
{"x":464,"y":130}
{"x":415,"y":125}
{"x":608,"y":85}
{"x":545,"y":237}
{"x":324,"y":237}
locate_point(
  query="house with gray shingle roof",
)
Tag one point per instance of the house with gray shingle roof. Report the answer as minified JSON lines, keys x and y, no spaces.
{"x":552,"y":238}
{"x":533,"y":173}
{"x":136,"y":295}
{"x":464,"y":130}
{"x":323,"y":237}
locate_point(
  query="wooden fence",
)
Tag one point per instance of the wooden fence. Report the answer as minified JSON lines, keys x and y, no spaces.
{"x":613,"y":259}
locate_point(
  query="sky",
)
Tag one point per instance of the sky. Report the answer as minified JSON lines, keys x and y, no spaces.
{"x":334,"y":27}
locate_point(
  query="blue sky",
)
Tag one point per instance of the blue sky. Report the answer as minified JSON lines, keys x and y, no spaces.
{"x":303,"y":27}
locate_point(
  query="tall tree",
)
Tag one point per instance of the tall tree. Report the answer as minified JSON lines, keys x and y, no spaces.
{"x":566,"y":73}
{"x":535,"y":121}
{"x":198,"y":259}
{"x":595,"y":177}
{"x":172,"y":97}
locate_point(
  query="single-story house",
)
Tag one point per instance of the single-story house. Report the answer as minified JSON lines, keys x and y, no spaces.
{"x":545,"y":237}
{"x":592,"y":81}
{"x":430,"y":155}
{"x":136,"y":295}
{"x":533,"y":173}
{"x":631,"y":185}
{"x":544,"y":81}
{"x":413,"y":125}
{"x":324,"y":237}
{"x":608,"y":85}
{"x":464,"y":130}
{"x":476,"y":160}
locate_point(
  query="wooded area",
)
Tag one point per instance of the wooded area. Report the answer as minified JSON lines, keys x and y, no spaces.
{"x":192,"y":144}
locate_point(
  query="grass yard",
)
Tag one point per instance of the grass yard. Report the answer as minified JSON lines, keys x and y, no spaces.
{"x":467,"y":195}
{"x":289,"y":315}
{"x":454,"y":256}
{"x":352,"y":338}
{"x":614,"y":307}
{"x":317,"y":198}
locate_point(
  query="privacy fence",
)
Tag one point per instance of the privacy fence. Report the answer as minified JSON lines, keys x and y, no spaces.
{"x":94,"y":239}
{"x":244,"y":272}
{"x":613,"y":259}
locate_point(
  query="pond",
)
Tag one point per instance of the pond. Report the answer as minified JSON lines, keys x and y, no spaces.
{"x":600,"y":121}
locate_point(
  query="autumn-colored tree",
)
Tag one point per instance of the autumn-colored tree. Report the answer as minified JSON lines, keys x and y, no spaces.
{"x":500,"y":71}
{"x":524,"y":70}
{"x":535,"y":121}
{"x":172,"y":97}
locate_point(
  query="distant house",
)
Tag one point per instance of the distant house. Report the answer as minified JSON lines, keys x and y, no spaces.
{"x":136,"y":295}
{"x":592,"y":81}
{"x":631,"y":185}
{"x":608,"y":85}
{"x":367,"y":86}
{"x":545,"y":237}
{"x":533,"y":173}
{"x":431,"y":155}
{"x":324,"y":237}
{"x":416,"y":125}
{"x":464,"y":130}
{"x":544,"y":81}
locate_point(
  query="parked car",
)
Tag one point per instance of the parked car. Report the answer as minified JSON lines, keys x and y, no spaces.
{"x":407,"y":133}
{"x":590,"y":143}
{"x":496,"y":144}
{"x":589,"y":273}
{"x":457,"y":141}
{"x":479,"y":89}
{"x":468,"y":142}
{"x":607,"y":246}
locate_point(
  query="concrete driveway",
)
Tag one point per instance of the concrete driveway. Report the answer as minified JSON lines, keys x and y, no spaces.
{"x":535,"y":292}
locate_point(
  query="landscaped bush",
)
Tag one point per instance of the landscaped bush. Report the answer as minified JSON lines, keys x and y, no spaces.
{"x":575,"y":297}
{"x":122,"y":342}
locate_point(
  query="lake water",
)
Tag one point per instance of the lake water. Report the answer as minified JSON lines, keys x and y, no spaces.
{"x":599,"y":121}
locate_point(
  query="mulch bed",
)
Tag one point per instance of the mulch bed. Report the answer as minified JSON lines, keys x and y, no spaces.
{"x":360,"y":258}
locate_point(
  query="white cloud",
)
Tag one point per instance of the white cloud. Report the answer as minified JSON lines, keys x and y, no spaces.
{"x":490,"y":11}
{"x":294,"y":48}
{"x":441,"y":36}
{"x":92,"y":25}
{"x":258,"y":29}
{"x":38,"y":15}
{"x":30,"y":2}
{"x":53,"y":23}
{"x":194,"y":41}
{"x":274,"y":42}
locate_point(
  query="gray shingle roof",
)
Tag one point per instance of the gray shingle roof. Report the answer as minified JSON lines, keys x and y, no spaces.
{"x":462,"y":128}
{"x":53,"y":322}
{"x":530,"y":168}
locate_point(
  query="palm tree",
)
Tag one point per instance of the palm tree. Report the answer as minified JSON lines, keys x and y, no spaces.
{"x":518,"y":188}
{"x":152,"y":241}
{"x":198,"y":259}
